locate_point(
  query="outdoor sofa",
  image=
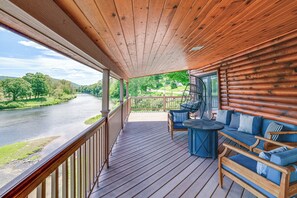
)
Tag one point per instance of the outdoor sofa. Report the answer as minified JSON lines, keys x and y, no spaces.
{"x":258,"y":126}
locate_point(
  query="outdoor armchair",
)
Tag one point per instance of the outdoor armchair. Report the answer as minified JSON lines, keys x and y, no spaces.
{"x":281,"y":177}
{"x":175,"y":120}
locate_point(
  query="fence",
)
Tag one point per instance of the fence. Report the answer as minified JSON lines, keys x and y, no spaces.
{"x":155,"y":103}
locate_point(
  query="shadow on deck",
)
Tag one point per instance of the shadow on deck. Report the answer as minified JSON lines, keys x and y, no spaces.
{"x":146,"y":163}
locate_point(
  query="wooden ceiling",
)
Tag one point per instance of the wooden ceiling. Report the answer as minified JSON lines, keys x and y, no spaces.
{"x":145,"y":37}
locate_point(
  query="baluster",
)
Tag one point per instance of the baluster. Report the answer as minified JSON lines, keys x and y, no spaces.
{"x":94,"y":159}
{"x":79,"y":170}
{"x":86,"y":167}
{"x":83,"y":169}
{"x":91,"y":163}
{"x":100,"y":142}
{"x":97,"y":153}
{"x":55,"y":184}
{"x":65,"y":180}
{"x":41,"y":190}
{"x":72,"y":175}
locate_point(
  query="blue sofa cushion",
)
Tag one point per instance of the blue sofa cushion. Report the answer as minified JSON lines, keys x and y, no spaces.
{"x":250,"y":124}
{"x":285,"y":158}
{"x":235,"y":118}
{"x":286,"y":127}
{"x":262,"y":168}
{"x":249,"y":164}
{"x":224,"y":116}
{"x":273,"y":127}
{"x":245,"y":138}
{"x":179,"y":125}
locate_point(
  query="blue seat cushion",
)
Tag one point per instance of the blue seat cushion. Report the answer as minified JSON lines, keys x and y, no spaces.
{"x":286,"y":127}
{"x":179,"y":125}
{"x":285,"y":158}
{"x":249,"y":164}
{"x":245,"y":138}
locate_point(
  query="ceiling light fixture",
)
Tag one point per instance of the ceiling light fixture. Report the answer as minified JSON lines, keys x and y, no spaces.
{"x":197,"y":48}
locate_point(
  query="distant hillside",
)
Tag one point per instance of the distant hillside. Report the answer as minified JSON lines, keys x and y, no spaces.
{"x":76,"y":86}
{"x":5,"y":77}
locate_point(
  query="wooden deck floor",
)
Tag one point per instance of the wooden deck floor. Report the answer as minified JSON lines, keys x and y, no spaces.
{"x":146,"y":163}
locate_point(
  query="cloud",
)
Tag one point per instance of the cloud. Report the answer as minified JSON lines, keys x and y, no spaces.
{"x":43,"y":50}
{"x":60,"y":68}
{"x":32,"y":44}
{"x":2,"y":29}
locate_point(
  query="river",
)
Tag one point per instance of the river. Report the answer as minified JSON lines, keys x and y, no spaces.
{"x":65,"y":120}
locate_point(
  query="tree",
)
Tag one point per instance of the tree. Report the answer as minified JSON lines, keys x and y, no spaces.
{"x":179,"y":77}
{"x":39,"y":85}
{"x":16,"y":87}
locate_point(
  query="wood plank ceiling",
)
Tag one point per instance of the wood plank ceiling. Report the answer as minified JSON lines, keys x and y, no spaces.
{"x":145,"y":37}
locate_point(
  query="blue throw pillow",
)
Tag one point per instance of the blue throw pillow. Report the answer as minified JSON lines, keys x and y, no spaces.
{"x":262,"y":168}
{"x":273,"y":127}
{"x":250,"y":124}
{"x":235,"y":118}
{"x":286,"y":158}
{"x":180,"y":116}
{"x":224,"y":116}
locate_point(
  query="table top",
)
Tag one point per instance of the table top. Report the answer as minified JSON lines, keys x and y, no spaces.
{"x":207,"y":125}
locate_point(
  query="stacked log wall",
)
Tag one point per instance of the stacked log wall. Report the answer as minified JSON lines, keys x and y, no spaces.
{"x":260,"y":81}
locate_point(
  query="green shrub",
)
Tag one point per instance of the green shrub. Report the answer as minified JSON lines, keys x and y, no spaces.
{"x":14,"y":105}
{"x":2,"y":106}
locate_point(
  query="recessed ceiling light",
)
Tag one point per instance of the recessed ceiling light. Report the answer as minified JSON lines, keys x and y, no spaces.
{"x":197,"y":48}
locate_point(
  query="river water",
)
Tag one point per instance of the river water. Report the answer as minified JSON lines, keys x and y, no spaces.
{"x":65,"y":120}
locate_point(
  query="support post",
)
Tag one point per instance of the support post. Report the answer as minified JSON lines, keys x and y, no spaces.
{"x":164,"y":102}
{"x":105,"y":111}
{"x":127,"y":90}
{"x":127,"y":97}
{"x":122,"y":101}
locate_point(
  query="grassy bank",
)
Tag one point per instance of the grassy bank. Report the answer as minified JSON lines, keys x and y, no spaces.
{"x":92,"y":120}
{"x":23,"y":150}
{"x":35,"y":102}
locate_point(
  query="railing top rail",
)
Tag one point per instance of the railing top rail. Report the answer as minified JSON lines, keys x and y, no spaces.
{"x":31,"y":178}
{"x":140,"y":97}
{"x":113,"y":112}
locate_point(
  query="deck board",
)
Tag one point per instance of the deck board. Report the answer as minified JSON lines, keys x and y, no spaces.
{"x":145,"y":162}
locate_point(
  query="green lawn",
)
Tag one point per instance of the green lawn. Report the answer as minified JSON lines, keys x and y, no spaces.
{"x":94,"y":119}
{"x":23,"y":150}
{"x":34,"y":102}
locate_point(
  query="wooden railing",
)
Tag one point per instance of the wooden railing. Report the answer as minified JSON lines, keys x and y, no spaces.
{"x":155,"y":103}
{"x":114,"y":126}
{"x":73,"y":169}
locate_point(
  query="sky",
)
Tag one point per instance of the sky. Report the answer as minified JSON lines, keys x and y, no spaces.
{"x":19,"y":55}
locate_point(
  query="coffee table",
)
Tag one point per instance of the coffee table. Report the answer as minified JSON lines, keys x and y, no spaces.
{"x":203,"y":137}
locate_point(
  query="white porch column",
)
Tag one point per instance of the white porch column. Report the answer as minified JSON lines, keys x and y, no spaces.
{"x":122,"y":102}
{"x":127,"y":90}
{"x":121,"y":91}
{"x":105,"y":110}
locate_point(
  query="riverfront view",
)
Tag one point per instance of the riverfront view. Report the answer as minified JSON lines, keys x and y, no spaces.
{"x":62,"y":121}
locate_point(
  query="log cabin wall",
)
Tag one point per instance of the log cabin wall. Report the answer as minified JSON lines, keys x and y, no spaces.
{"x":260,"y":81}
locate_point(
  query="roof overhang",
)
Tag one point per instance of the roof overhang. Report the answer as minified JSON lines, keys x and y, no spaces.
{"x":146,"y":37}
